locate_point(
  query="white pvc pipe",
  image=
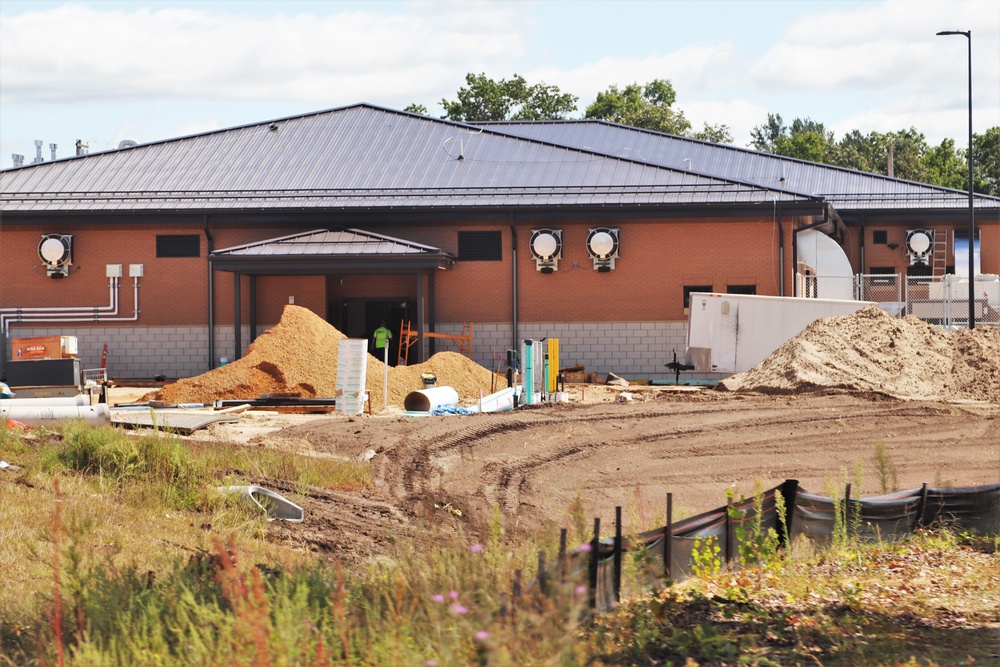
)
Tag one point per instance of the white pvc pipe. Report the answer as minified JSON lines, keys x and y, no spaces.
{"x":425,"y":400}
{"x":40,"y":415}
{"x":79,"y":399}
{"x":501,"y":401}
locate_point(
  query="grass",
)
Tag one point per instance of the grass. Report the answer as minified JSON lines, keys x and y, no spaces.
{"x":107,"y":562}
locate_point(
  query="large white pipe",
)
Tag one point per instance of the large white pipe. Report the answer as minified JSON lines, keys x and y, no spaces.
{"x":41,"y":415}
{"x":79,"y":399}
{"x":425,"y":400}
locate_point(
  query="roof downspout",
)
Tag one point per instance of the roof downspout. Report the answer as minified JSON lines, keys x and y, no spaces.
{"x":513,"y":282}
{"x":781,"y":254}
{"x":211,"y":293}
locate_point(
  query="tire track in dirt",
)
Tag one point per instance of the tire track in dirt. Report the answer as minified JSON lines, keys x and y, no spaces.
{"x":502,"y":481}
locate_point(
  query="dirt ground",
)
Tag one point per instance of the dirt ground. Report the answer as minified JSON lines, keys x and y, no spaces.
{"x":533,"y":463}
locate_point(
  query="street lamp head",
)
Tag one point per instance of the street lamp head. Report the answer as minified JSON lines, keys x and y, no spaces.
{"x":966,"y":33}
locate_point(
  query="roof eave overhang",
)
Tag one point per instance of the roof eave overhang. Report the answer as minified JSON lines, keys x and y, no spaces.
{"x":329,"y":264}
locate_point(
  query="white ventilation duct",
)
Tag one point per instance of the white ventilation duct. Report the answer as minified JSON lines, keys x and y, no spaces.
{"x":827,"y":265}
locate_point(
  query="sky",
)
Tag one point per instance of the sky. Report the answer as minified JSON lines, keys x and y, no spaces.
{"x":103,"y":71}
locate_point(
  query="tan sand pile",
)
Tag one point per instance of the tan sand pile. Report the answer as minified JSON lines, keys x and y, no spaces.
{"x":300,"y":355}
{"x":871,"y":351}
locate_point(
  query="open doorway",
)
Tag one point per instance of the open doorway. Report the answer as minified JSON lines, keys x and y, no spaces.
{"x":359,"y":317}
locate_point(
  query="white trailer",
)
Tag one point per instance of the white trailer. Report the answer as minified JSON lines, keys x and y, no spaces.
{"x":732,"y":333}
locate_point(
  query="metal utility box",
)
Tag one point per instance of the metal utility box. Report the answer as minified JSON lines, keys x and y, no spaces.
{"x":44,"y":373}
{"x":738,"y":331}
{"x":43,"y":347}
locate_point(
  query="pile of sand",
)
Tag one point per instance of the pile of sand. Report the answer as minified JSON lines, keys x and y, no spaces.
{"x":300,"y":355}
{"x":872,"y":351}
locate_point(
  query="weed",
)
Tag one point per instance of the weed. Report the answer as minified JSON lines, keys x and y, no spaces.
{"x":705,"y":561}
{"x":885,"y":469}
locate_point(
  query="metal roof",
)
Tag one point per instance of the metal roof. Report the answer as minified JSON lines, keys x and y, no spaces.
{"x":360,"y":157}
{"x":330,"y":250}
{"x":846,"y":189}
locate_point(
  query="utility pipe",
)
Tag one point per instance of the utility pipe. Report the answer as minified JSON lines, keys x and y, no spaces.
{"x":112,"y":293}
{"x":93,"y":318}
{"x":513,"y":283}
{"x":74,"y":401}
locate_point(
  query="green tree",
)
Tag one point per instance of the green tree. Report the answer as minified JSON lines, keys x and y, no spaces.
{"x":807,"y":140}
{"x":648,"y":107}
{"x":416,"y":108}
{"x":719,"y":134}
{"x":485,"y":99}
{"x":764,"y":136}
{"x":946,"y":165}
{"x":986,"y":162}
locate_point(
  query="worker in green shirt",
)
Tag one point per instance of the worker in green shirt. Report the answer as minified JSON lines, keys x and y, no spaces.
{"x":381,"y":338}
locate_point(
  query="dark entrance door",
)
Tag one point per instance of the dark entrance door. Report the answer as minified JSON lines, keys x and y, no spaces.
{"x":360,"y":317}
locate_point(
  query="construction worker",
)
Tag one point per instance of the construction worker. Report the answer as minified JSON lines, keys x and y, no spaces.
{"x":381,"y":338}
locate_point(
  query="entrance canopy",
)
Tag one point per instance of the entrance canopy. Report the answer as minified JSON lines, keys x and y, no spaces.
{"x":325,"y":251}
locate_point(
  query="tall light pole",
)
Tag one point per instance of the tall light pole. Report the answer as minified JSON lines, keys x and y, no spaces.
{"x":972,"y":213}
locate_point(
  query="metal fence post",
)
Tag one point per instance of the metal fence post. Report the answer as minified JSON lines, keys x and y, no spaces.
{"x":618,"y":554}
{"x":668,"y":532}
{"x":595,"y":544}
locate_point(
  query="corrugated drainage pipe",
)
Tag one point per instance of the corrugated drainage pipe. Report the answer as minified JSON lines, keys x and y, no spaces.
{"x":426,"y":400}
{"x":41,"y":415}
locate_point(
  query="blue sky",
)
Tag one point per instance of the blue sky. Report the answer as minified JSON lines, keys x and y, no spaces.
{"x":104,"y":71}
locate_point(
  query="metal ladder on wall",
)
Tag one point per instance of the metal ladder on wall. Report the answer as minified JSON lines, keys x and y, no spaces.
{"x":939,"y":251}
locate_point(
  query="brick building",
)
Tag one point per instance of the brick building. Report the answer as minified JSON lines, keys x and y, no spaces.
{"x":586,"y":231}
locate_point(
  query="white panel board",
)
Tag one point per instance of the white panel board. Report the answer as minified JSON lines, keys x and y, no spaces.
{"x":742,"y":330}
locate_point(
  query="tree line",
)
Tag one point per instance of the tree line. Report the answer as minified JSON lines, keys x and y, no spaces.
{"x":902,"y":154}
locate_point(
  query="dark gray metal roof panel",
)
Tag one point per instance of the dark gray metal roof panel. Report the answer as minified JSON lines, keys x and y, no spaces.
{"x":357,"y":157}
{"x":846,"y":189}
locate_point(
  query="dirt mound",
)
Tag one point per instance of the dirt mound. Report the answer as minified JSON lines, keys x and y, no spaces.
{"x":872,"y":351}
{"x":301,"y":353}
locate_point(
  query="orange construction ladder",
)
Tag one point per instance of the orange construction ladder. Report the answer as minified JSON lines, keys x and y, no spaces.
{"x":408,"y":336}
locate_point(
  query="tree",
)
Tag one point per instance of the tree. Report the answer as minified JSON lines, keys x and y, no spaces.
{"x":485,"y":99}
{"x":416,"y":108}
{"x":946,"y":165}
{"x":986,"y":162}
{"x":646,"y":106}
{"x":764,"y":136}
{"x":719,"y":134}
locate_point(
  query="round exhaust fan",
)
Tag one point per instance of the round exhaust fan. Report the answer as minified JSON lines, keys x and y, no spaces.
{"x":56,"y":252}
{"x":919,"y":243}
{"x":546,"y":248}
{"x":602,"y":243}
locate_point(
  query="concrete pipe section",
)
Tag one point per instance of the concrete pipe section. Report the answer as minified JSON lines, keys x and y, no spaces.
{"x":426,"y":400}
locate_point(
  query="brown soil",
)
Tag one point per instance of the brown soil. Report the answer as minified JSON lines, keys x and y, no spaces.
{"x":533,"y":463}
{"x":871,"y":351}
{"x":300,"y":355}
{"x":813,"y":411}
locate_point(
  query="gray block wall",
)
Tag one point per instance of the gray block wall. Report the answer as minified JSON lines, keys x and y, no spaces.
{"x":633,"y":350}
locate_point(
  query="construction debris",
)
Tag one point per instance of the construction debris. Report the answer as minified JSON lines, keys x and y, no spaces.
{"x":616,"y":380}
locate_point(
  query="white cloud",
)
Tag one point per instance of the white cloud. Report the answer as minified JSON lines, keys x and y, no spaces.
{"x":327,"y":60}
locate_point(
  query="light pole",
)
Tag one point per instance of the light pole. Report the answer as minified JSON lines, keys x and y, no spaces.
{"x":972,"y":213}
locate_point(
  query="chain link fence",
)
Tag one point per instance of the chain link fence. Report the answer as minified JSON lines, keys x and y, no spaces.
{"x":941,"y":300}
